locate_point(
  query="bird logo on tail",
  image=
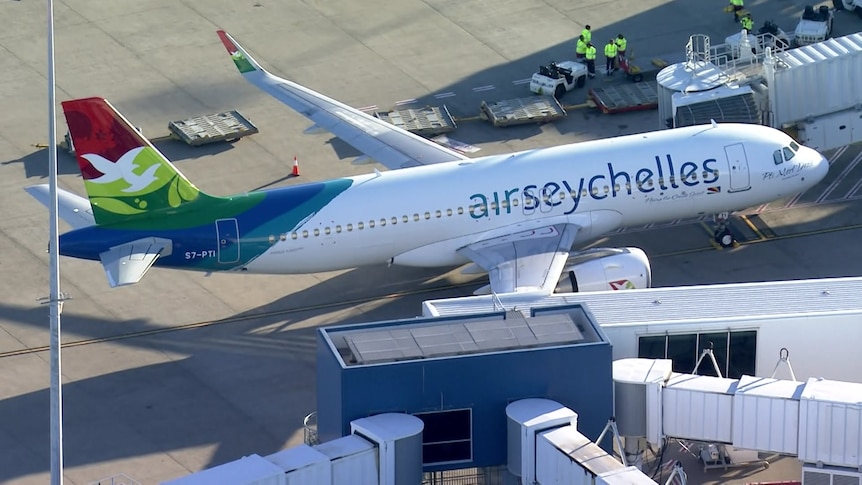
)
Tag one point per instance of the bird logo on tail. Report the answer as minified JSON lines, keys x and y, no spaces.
{"x":123,"y":169}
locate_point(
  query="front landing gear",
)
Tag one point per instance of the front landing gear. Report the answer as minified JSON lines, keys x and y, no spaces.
{"x":723,"y":234}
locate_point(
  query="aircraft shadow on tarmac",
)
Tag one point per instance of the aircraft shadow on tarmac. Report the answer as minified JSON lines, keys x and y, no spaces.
{"x":224,"y":393}
{"x":36,"y":163}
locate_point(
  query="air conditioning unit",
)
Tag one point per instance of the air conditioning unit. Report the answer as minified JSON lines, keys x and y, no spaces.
{"x":814,"y":475}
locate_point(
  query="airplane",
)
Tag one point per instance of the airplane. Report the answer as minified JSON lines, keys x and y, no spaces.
{"x":516,"y":216}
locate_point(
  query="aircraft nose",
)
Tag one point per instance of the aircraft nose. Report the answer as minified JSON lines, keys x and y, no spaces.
{"x":820,"y":168}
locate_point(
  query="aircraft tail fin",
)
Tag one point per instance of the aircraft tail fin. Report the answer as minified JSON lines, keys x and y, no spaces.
{"x":124,"y":174}
{"x":243,"y":60}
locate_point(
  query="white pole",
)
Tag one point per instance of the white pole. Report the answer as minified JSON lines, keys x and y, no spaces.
{"x":54,"y":250}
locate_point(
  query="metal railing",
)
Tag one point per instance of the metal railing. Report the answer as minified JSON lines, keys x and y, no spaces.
{"x":309,"y":429}
{"x":495,"y":475}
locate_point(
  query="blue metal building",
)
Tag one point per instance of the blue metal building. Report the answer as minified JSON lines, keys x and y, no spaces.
{"x":459,"y":374}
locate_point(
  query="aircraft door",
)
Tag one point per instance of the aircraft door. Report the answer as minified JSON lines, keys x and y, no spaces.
{"x":740,"y":178}
{"x":227,"y":232}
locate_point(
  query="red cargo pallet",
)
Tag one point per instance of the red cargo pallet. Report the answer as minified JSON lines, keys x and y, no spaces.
{"x":625,"y":97}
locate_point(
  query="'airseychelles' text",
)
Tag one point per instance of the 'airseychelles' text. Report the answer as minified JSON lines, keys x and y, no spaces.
{"x":646,"y":180}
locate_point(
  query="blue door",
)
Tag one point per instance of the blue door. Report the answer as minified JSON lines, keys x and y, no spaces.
{"x":227,"y":232}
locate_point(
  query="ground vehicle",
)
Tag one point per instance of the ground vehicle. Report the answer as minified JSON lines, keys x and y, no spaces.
{"x":849,"y":5}
{"x":814,"y":26}
{"x":557,"y":78}
{"x":769,"y":35}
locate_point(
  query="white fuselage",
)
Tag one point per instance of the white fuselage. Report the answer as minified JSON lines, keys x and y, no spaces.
{"x":421,"y":216}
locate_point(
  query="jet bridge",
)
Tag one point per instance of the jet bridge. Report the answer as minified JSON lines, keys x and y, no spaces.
{"x":819,"y":421}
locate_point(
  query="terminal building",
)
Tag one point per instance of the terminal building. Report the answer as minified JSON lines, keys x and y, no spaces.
{"x":522,"y":384}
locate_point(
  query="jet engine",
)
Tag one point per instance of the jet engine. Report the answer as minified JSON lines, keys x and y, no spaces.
{"x":605,"y":269}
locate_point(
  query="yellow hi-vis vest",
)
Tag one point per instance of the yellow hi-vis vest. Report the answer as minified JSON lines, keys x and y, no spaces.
{"x":621,"y":43}
{"x":610,"y":50}
{"x":747,"y":23}
{"x":591,"y":53}
{"x":737,"y":3}
{"x":581,"y":47}
{"x":588,"y":36}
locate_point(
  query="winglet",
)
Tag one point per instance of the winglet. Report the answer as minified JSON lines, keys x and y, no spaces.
{"x":244,"y":62}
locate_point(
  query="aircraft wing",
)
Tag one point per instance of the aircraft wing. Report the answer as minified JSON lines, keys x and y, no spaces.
{"x":526,"y":261}
{"x":378,"y":140}
{"x":127,"y":263}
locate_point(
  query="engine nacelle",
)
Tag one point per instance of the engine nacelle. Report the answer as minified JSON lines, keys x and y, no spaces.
{"x":605,"y":269}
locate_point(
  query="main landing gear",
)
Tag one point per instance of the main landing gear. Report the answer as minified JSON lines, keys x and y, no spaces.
{"x":723,"y":234}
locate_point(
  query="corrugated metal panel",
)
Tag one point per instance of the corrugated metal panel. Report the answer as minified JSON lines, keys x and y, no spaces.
{"x":249,"y":470}
{"x":817,"y":79}
{"x":766,"y":415}
{"x":303,"y":464}
{"x":651,"y":305}
{"x":698,"y":408}
{"x":354,"y":460}
{"x":830,"y":424}
{"x":566,"y":456}
{"x":626,"y":476}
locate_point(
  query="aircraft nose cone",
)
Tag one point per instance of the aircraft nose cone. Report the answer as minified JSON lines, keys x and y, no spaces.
{"x":821,"y":168}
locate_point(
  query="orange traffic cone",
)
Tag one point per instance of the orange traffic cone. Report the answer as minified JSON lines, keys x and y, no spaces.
{"x":295,"y":167}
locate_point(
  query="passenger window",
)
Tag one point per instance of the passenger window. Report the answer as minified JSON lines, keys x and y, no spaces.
{"x":776,"y":157}
{"x":349,"y":227}
{"x":271,"y":239}
{"x":439,"y":214}
{"x":616,"y":187}
{"x":294,"y":235}
{"x":515,"y":202}
{"x":327,"y":231}
{"x":449,"y":212}
{"x":304,"y":234}
{"x":382,"y":222}
{"x":405,"y":219}
{"x":427,"y":216}
{"x":788,"y":153}
{"x":316,"y":231}
{"x":416,"y":217}
{"x":460,"y":211}
{"x":371,"y":224}
{"x":283,"y":237}
{"x":338,"y":229}
{"x":595,"y":190}
{"x":607,"y":189}
{"x":360,"y":226}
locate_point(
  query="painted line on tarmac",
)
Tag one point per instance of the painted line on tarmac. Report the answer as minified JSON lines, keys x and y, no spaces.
{"x":753,"y":227}
{"x":785,"y":237}
{"x":840,"y":178}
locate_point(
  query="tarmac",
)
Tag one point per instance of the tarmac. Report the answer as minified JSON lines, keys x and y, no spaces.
{"x":184,"y":371}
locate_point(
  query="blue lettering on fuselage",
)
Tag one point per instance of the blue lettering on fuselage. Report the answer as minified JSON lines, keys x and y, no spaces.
{"x":663,"y":176}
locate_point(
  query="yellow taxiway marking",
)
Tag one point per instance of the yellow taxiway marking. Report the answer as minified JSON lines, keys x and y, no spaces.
{"x":751,"y":225}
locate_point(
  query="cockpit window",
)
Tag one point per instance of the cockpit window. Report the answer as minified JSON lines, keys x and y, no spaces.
{"x":794,"y":146}
{"x":776,"y":157}
{"x":788,"y":153}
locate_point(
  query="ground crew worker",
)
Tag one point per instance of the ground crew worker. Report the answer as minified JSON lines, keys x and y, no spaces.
{"x":580,"y":48}
{"x":588,"y":34}
{"x":747,"y":23}
{"x":610,"y":56}
{"x":590,"y":56}
{"x":621,"y":45}
{"x":736,"y":6}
